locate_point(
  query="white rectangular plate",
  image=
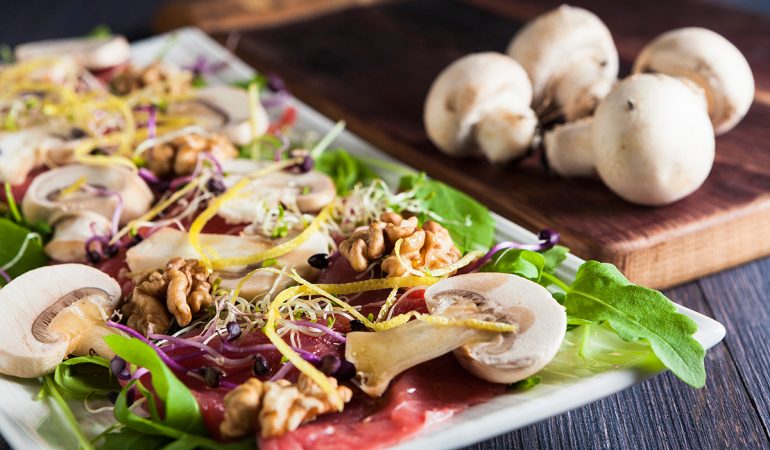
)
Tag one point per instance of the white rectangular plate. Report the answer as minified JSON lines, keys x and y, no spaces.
{"x":29,"y":424}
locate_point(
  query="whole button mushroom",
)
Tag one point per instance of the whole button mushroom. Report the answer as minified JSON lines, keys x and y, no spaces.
{"x":708,"y":60}
{"x":480,"y":103}
{"x":570,"y":58}
{"x":52,"y":312}
{"x":496,"y":357}
{"x":651,"y":140}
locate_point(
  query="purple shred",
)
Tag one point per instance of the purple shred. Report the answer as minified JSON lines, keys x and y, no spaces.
{"x":339,"y":337}
{"x":548,"y":238}
{"x":282,"y":372}
{"x":134,"y":334}
{"x":5,"y":276}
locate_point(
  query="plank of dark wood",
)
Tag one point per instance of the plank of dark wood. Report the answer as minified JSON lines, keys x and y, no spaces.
{"x":740,"y":299}
{"x":374,"y":66}
{"x":661,"y":413}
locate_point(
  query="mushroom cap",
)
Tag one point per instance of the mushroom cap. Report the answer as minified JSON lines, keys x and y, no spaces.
{"x":508,"y":357}
{"x":310,"y":191}
{"x":40,"y":202}
{"x":224,"y":109}
{"x":71,"y":231}
{"x":570,"y":58}
{"x":481,"y":102}
{"x":45,"y":311}
{"x":709,"y":60}
{"x":93,"y":53}
{"x":652,"y":139}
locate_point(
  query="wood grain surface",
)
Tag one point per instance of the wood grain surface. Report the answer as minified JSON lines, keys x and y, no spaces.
{"x":731,"y":412}
{"x":373,"y":67}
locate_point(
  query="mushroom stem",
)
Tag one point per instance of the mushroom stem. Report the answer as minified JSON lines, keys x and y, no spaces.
{"x":380,"y":356}
{"x":568,"y":149}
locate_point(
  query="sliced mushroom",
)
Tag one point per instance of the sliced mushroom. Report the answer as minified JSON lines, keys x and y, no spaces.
{"x":224,"y":109}
{"x":42,"y":200}
{"x":309,"y":191}
{"x":93,"y":53}
{"x":19,"y":153}
{"x":570,"y":58}
{"x":480,"y":103}
{"x":52,"y":312}
{"x":709,"y":60}
{"x":71,"y":231}
{"x":496,"y":357}
{"x":165,"y":244}
{"x":508,"y":357}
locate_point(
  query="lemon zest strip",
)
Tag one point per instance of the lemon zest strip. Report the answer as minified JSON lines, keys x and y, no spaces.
{"x":208,"y":214}
{"x":278,"y":250}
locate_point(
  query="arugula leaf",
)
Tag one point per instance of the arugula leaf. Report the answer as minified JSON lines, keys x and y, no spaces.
{"x":554,"y":257}
{"x":85,"y":376}
{"x":128,"y":438}
{"x":16,"y":237}
{"x":345,"y":170}
{"x":524,"y":263}
{"x":180,"y":407}
{"x":259,"y":79}
{"x":600,"y":293}
{"x":469,"y":222}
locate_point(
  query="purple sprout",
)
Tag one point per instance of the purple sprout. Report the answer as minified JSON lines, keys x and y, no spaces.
{"x":548,"y":238}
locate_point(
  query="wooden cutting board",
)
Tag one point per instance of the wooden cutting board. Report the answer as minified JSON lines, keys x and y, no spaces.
{"x":373,"y":66}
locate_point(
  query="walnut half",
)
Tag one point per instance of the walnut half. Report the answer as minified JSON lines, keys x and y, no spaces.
{"x":181,"y":289}
{"x":179,"y":156}
{"x":276,"y":406}
{"x":428,"y":247}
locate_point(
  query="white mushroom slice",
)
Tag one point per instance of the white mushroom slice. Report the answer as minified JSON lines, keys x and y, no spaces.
{"x":497,"y":357}
{"x":309,"y":191}
{"x":42,"y":199}
{"x":481,"y":103}
{"x":91,"y":52}
{"x":709,"y":60}
{"x":52,"y":312}
{"x":224,"y":109}
{"x":155,"y":251}
{"x":570,"y":58}
{"x":541,"y":323}
{"x":19,"y":153}
{"x":569,"y":150}
{"x":71,"y":232}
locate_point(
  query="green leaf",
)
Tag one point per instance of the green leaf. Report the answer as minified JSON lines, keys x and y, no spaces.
{"x":179,"y":404}
{"x":345,"y":170}
{"x":14,"y":238}
{"x":469,"y":222}
{"x":128,"y":438}
{"x":85,"y":376}
{"x":259,"y":79}
{"x":100,"y":31}
{"x":524,"y":263}
{"x":524,"y":385}
{"x":49,"y":388}
{"x":600,"y":293}
{"x":554,"y":257}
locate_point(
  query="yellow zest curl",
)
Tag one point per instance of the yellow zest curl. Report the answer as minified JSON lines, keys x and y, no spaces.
{"x":208,"y":214}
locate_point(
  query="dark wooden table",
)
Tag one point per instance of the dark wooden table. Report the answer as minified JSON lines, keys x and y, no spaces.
{"x":732,"y":411}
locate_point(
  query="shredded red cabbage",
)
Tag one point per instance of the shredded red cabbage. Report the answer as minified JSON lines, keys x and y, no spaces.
{"x":548,"y":238}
